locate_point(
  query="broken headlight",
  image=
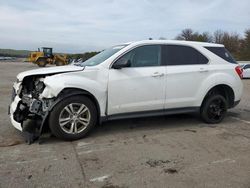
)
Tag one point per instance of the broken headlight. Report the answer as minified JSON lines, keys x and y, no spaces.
{"x":39,"y":86}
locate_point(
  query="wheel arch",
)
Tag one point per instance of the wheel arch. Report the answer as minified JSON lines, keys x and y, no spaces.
{"x":223,"y":89}
{"x":66,"y":93}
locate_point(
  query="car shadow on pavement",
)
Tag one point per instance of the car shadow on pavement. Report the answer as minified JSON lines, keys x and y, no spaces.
{"x":152,"y":125}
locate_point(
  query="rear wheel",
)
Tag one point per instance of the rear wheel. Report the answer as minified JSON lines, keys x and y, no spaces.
{"x":41,"y":62}
{"x":73,"y":118}
{"x":214,"y":109}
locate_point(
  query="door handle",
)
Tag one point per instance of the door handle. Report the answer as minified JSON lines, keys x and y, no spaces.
{"x":203,"y":70}
{"x":157,"y":74}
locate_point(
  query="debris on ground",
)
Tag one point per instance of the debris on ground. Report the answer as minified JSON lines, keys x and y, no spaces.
{"x":29,"y":177}
{"x":170,"y":171}
{"x":154,"y":163}
{"x":46,"y":168}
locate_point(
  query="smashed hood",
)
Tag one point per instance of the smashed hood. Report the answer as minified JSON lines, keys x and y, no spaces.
{"x":49,"y":71}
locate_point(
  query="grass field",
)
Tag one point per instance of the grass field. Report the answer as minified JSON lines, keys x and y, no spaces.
{"x":14,"y":53}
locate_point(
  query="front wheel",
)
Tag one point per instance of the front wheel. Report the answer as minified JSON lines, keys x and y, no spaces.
{"x":41,"y":62}
{"x":214,"y":109}
{"x":59,"y":63}
{"x":73,"y":118}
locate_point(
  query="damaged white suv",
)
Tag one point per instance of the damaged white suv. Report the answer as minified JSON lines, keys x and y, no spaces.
{"x":145,"y":78}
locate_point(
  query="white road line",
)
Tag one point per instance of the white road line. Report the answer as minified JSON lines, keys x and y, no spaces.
{"x":215,"y":162}
{"x":29,"y":161}
{"x":91,"y":151}
{"x":80,"y":144}
{"x":100,"y":179}
{"x":84,"y":152}
{"x":223,"y":160}
{"x":239,"y":119}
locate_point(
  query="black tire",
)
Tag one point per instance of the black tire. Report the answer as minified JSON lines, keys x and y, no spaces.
{"x":59,"y":63}
{"x":59,"y":110}
{"x":214,"y":109}
{"x":41,"y":62}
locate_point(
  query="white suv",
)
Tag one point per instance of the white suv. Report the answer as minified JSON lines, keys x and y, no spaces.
{"x":145,"y":78}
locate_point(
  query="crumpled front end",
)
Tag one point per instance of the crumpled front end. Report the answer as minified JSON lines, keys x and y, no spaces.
{"x":27,"y":102}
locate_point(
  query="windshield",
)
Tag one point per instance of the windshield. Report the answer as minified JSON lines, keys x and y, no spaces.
{"x":102,"y":56}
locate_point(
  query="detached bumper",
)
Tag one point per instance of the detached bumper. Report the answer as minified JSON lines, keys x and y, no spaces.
{"x":12,"y":109}
{"x":15,"y":123}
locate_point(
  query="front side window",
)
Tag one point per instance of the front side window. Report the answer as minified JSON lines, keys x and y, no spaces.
{"x":182,"y":55}
{"x":144,"y":56}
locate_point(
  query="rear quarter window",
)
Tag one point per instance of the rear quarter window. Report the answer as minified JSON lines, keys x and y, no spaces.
{"x":182,"y":55}
{"x":222,"y":53}
{"x":246,"y":66}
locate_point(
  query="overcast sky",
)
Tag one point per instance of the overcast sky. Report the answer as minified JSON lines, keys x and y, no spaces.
{"x":83,"y":25}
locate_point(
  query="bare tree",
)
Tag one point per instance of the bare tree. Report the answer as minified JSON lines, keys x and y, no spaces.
{"x":189,"y":34}
{"x":218,"y":36}
{"x":204,"y":37}
{"x":186,"y":34}
{"x":238,"y":46}
{"x":245,"y":46}
{"x":232,"y":42}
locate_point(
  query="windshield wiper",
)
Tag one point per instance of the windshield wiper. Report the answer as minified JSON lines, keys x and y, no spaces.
{"x":78,"y":64}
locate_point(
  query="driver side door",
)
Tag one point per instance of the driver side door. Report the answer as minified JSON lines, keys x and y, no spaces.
{"x":139,"y":87}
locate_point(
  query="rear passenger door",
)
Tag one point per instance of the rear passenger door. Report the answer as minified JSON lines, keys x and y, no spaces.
{"x":185,"y":72}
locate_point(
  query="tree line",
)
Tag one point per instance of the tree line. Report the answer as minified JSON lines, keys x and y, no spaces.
{"x":83,"y":56}
{"x":237,"y":45}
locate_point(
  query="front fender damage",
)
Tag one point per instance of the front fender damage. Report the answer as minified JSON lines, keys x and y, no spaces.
{"x":34,"y":95}
{"x":29,"y":105}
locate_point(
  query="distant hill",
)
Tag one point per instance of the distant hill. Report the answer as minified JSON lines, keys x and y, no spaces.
{"x":14,"y":53}
{"x":25,"y":53}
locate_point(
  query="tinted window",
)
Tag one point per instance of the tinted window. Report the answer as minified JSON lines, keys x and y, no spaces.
{"x":223,"y":53}
{"x":181,"y":55}
{"x":144,"y":56}
{"x":246,"y":66}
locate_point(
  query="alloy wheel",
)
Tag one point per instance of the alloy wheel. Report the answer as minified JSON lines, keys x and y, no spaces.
{"x":74,"y":118}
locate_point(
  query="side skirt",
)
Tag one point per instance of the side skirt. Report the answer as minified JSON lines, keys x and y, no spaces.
{"x":151,"y":113}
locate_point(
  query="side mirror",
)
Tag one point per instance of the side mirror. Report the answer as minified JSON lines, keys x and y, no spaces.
{"x":121,"y":63}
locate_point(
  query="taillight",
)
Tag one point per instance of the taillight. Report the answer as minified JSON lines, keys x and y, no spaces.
{"x":239,"y":71}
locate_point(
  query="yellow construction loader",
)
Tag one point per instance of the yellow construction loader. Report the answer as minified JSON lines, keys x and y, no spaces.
{"x":46,"y":56}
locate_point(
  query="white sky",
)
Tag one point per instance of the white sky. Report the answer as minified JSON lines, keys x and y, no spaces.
{"x":86,"y":25}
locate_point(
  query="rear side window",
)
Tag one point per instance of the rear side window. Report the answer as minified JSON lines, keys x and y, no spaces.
{"x":223,"y":53}
{"x":182,"y":55}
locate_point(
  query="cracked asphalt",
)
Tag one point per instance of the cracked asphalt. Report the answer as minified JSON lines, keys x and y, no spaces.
{"x":169,"y":151}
